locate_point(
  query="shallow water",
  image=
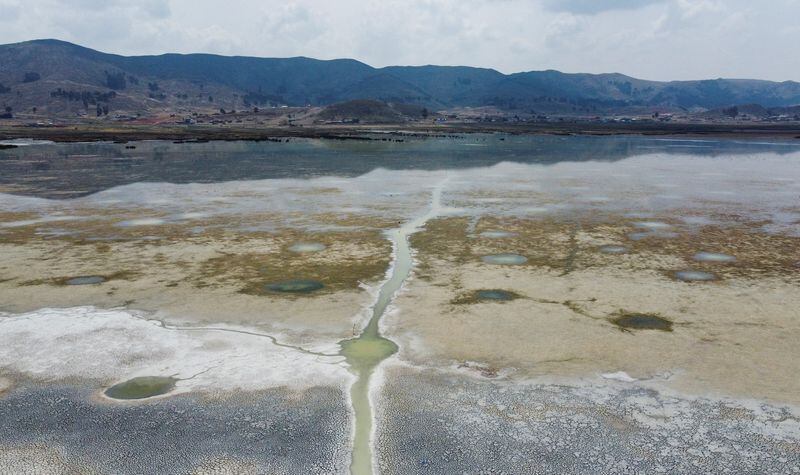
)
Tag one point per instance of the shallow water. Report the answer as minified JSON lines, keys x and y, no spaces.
{"x":652,"y":225}
{"x":713,"y":257}
{"x":86,"y":280}
{"x":612,"y":249}
{"x":295,"y":286}
{"x":695,"y":276}
{"x":302,"y":247}
{"x":496,"y":234}
{"x":641,"y":321}
{"x":505,"y":259}
{"x":142,"y":387}
{"x":494,"y":294}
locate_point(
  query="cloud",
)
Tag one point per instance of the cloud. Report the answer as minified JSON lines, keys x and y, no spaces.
{"x":651,"y":39}
{"x":591,"y":7}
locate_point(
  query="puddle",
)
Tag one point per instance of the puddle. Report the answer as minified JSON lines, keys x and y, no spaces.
{"x":612,"y":249}
{"x":42,"y":220}
{"x":652,"y":225}
{"x":505,"y":259}
{"x":141,"y":388}
{"x":713,"y":257}
{"x":192,"y":215}
{"x":536,"y":210}
{"x":142,"y":222}
{"x":641,"y":321}
{"x":496,"y":234}
{"x":303,"y":247}
{"x":698,"y":220}
{"x":495,"y":294}
{"x":694,"y":276}
{"x":86,"y":280}
{"x":366,"y":352}
{"x":650,"y":234}
{"x":295,"y":286}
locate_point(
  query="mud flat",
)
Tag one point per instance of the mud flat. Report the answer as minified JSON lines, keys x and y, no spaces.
{"x":581,"y":312}
{"x":200,"y":262}
{"x":59,"y":429}
{"x":588,"y":427}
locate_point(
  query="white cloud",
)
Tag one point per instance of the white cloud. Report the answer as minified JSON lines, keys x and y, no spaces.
{"x":657,"y":39}
{"x":591,"y":7}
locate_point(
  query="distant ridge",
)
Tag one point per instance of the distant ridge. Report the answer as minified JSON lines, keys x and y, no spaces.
{"x":57,"y":77}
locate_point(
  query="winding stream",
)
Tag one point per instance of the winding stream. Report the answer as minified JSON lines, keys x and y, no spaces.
{"x":364,"y":353}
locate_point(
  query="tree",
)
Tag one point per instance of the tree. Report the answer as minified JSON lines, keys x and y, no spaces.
{"x":116,"y":81}
{"x":731,"y":111}
{"x":31,"y":77}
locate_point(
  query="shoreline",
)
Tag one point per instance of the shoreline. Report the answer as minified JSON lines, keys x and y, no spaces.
{"x":380,"y":132}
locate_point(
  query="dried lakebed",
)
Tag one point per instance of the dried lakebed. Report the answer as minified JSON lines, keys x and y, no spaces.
{"x":532,"y":305}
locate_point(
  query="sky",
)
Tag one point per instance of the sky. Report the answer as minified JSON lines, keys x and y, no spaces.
{"x":649,"y":39}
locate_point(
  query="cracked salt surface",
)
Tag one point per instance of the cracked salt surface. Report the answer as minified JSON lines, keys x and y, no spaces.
{"x":113,"y":345}
{"x":579,"y":428}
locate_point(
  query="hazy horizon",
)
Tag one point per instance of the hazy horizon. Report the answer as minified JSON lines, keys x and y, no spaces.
{"x":659,"y":40}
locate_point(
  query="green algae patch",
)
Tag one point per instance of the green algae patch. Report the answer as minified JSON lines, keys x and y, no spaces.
{"x":299,"y":286}
{"x":496,"y":295}
{"x":642,"y":321}
{"x":486,"y":295}
{"x":367,"y":351}
{"x":142,"y":387}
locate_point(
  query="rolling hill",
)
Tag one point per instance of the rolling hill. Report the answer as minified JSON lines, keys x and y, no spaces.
{"x":60,"y":78}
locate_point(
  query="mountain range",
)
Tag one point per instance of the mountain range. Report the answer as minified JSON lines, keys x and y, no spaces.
{"x":58,"y":78}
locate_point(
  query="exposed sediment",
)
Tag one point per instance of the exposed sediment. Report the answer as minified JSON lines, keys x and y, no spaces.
{"x":580,"y":428}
